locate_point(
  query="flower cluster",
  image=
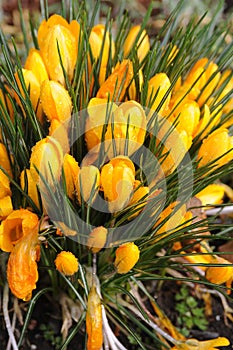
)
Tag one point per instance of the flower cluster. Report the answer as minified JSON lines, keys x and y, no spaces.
{"x":92,"y":130}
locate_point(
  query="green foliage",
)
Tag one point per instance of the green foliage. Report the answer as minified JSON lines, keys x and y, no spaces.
{"x":190,"y":313}
{"x":50,"y":335}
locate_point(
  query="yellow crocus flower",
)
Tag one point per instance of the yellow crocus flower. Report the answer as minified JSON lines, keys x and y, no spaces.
{"x":116,"y":84}
{"x":97,"y":239}
{"x":55,"y":101}
{"x":35,"y":63}
{"x":142,"y":43}
{"x":88,"y":183}
{"x":71,"y":171}
{"x":33,"y":86}
{"x":117,"y":181}
{"x":158,"y":86}
{"x":16,"y":226}
{"x":22,"y":272}
{"x":215,"y":146}
{"x":54,"y":36}
{"x":96,"y":38}
{"x":127,"y":255}
{"x":127,"y":127}
{"x":94,"y":327}
{"x":46,"y":157}
{"x":66,"y":263}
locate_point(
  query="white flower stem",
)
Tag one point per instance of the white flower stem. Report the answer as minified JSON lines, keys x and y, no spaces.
{"x":7,"y":318}
{"x":221,"y":211}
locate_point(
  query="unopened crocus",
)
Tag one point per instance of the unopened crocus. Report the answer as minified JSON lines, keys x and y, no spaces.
{"x":117,"y":83}
{"x":117,"y":181}
{"x":66,"y":263}
{"x":101,"y":44}
{"x":46,"y":161}
{"x":97,"y":239}
{"x":33,"y":87}
{"x":94,"y":327}
{"x":6,"y":207}
{"x":5,"y":189}
{"x":171,"y":219}
{"x":136,"y":85}
{"x":138,"y":199}
{"x":99,"y":114}
{"x":56,"y":101}
{"x":126,"y":130}
{"x":22,"y":272}
{"x":204,"y":74}
{"x":4,"y":159}
{"x":220,"y":274}
{"x":158,"y":96}
{"x":27,"y":183}
{"x":127,"y":255}
{"x":35,"y":63}
{"x":6,"y":107}
{"x":212,"y":194}
{"x":71,"y":171}
{"x":214,"y":146}
{"x":174,"y":146}
{"x":187,"y":117}
{"x":203,"y":126}
{"x":59,"y":47}
{"x":88,"y":183}
{"x":142,"y":43}
{"x":59,"y":132}
{"x":194,"y":344}
{"x":17,"y":225}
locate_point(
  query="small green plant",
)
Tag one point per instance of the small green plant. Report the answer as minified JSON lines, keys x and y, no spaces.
{"x":50,"y":336}
{"x":190,"y":313}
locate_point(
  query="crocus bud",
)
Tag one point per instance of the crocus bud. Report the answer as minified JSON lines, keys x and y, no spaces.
{"x":215,"y":146}
{"x":187,"y":117}
{"x":33,"y":86}
{"x":205,"y":76}
{"x":175,"y":146}
{"x":158,"y":86}
{"x":97,"y":46}
{"x":55,"y":101}
{"x":201,"y":128}
{"x":97,"y":239}
{"x":56,"y":36}
{"x":4,"y":159}
{"x":133,"y":88}
{"x":88,"y":183}
{"x":220,"y":274}
{"x":117,"y":181}
{"x":27,"y":182}
{"x":142,"y":43}
{"x":128,"y":128}
{"x":4,"y":185}
{"x":22,"y":272}
{"x":6,"y":207}
{"x":71,"y":171}
{"x":211,"y":194}
{"x":58,"y":131}
{"x":46,"y":160}
{"x":20,"y":223}
{"x":94,"y":327}
{"x":127,"y":255}
{"x":139,"y":198}
{"x":99,"y":114}
{"x":66,"y":263}
{"x":35,"y":63}
{"x":171,"y":219}
{"x":117,"y":83}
